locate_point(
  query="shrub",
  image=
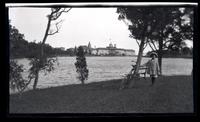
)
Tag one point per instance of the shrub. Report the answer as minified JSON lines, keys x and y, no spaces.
{"x":81,"y":65}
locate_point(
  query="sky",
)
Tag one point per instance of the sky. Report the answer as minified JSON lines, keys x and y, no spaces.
{"x":99,"y":26}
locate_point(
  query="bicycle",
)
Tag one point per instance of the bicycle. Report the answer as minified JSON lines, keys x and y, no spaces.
{"x":131,"y":76}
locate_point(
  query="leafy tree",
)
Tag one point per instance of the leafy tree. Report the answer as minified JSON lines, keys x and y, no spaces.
{"x":39,"y":58}
{"x":16,"y":80}
{"x":140,"y":19}
{"x":18,"y":45}
{"x":70,"y":52}
{"x":172,"y":32}
{"x":186,"y":51}
{"x":81,"y":65}
{"x":41,"y":62}
{"x":21,"y":48}
{"x":155,"y":26}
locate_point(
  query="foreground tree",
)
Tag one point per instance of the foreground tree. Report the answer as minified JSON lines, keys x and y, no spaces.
{"x":140,"y":20}
{"x":170,"y":30}
{"x":154,"y":26}
{"x":16,"y":39}
{"x":41,"y":62}
{"x":16,"y":80}
{"x":81,"y":65}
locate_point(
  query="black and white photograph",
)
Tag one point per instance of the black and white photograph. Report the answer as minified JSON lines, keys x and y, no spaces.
{"x":120,"y":58}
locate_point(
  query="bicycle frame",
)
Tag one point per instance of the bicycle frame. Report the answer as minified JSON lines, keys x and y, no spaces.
{"x":130,"y":76}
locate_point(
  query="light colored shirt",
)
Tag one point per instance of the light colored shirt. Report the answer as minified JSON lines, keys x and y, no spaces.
{"x":152,"y":67}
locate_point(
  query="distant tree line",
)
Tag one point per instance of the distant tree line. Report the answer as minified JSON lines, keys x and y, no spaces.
{"x":39,"y":54}
{"x":184,"y":52}
{"x":21,"y":48}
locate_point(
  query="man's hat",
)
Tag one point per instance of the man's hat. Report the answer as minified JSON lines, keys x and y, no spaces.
{"x":153,"y":53}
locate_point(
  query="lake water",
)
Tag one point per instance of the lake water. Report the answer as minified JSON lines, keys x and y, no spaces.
{"x":102,"y":68}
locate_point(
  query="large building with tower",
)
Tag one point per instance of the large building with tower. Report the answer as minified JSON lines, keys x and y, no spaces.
{"x":110,"y":50}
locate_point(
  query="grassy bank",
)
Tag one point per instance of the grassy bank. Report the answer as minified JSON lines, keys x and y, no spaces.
{"x":169,"y":94}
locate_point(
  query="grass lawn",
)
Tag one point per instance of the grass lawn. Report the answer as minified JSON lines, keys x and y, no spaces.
{"x":170,"y":94}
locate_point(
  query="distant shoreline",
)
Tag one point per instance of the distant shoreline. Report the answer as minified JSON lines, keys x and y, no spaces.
{"x":179,"y":57}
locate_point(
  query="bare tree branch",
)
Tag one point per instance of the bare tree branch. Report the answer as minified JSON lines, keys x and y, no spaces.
{"x":53,"y":11}
{"x":131,"y":36}
{"x":125,"y":22}
{"x":57,"y":28}
{"x":151,"y":46}
{"x":154,"y":45}
{"x":148,"y":42}
{"x":137,"y":42}
{"x":166,"y":42}
{"x":58,"y":13}
{"x":145,"y":46}
{"x":55,"y":14}
{"x":29,"y":81}
{"x":67,"y":10}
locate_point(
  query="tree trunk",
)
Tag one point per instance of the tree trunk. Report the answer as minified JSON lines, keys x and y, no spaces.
{"x":139,"y":57}
{"x":160,"y":50}
{"x":82,"y":82}
{"x":44,"y":39}
{"x":36,"y":80}
{"x":41,"y":58}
